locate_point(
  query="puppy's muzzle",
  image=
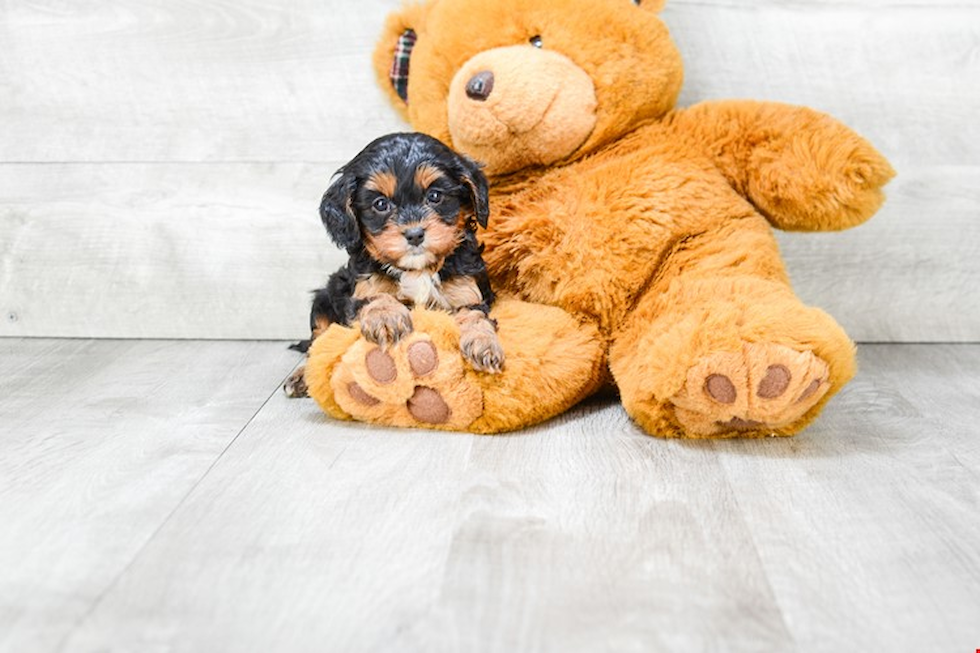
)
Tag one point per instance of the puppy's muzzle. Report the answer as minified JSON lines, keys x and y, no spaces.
{"x":414,"y":236}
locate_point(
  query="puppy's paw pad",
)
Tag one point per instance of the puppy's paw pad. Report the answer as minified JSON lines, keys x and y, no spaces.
{"x":758,"y":390}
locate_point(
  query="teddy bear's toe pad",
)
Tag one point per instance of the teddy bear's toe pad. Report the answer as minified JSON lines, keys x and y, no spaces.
{"x":411,"y":384}
{"x":427,"y":406}
{"x":760,"y":389}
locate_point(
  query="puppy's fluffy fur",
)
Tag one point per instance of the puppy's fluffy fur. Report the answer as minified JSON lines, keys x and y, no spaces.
{"x":406,"y":210}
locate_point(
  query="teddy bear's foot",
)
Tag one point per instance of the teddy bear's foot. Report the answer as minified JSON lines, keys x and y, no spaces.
{"x":552,"y":362}
{"x":409,"y":385}
{"x":729,"y":357}
{"x":757,"y":391}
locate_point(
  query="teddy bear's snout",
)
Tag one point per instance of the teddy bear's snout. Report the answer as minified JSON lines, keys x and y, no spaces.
{"x":480,"y":86}
{"x":515,"y":106}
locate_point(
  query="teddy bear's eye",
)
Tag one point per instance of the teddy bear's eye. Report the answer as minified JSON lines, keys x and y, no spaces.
{"x":536,"y":41}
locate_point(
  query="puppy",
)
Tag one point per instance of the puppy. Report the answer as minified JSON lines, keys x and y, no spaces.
{"x":406,"y":210}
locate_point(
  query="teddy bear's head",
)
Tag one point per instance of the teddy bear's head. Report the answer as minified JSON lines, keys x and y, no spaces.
{"x":520,"y":83}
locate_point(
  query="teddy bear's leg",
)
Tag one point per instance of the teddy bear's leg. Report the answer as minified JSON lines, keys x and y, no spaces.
{"x":720,"y":346}
{"x":551,"y":363}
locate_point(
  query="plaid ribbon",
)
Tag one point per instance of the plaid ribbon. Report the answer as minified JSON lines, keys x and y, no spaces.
{"x":399,"y":67}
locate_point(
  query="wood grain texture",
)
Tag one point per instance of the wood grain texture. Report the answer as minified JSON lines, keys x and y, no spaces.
{"x":160,"y":161}
{"x":100,"y":442}
{"x":874,"y":512}
{"x":164,"y":80}
{"x":205,"y":250}
{"x":232,"y":251}
{"x":218,"y":81}
{"x":344,"y":527}
{"x":911,"y":273}
{"x":579,"y":535}
{"x":371,"y":540}
{"x":895,"y":72}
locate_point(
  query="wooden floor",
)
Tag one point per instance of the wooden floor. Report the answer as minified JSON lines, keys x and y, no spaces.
{"x":165,"y":496}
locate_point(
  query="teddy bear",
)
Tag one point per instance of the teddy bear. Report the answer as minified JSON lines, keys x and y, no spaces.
{"x":630,"y":241}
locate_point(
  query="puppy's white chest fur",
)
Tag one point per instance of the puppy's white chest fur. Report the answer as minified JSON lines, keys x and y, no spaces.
{"x":423,"y":288}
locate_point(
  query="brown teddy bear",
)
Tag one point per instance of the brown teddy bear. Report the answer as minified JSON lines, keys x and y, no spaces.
{"x":632,"y":241}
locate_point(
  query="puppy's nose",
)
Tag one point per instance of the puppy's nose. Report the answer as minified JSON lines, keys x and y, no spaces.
{"x":414,"y":235}
{"x":480,"y":86}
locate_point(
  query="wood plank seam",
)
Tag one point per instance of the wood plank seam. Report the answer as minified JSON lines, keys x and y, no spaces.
{"x":107,"y":590}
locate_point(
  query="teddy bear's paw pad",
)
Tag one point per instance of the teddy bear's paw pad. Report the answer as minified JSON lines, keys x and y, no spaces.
{"x":755,"y":391}
{"x":427,"y":406}
{"x":412,"y":384}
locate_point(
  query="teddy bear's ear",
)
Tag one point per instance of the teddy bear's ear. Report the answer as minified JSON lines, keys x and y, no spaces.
{"x":650,"y":5}
{"x":393,"y":54}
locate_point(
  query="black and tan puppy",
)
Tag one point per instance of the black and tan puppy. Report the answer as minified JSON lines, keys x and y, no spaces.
{"x":406,"y":210}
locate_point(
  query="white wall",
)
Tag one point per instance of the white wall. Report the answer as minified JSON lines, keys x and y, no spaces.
{"x":161,"y":161}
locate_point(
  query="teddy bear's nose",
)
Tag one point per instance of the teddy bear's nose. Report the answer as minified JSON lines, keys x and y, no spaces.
{"x":480,"y":86}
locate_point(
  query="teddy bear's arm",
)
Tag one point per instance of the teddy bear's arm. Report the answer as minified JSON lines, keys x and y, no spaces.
{"x":803,"y":170}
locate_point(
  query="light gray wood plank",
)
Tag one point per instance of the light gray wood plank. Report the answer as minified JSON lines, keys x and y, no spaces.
{"x":159,"y":80}
{"x":588,"y":535}
{"x":168,"y":251}
{"x":942,"y":383}
{"x":895,"y":72}
{"x":100,"y":442}
{"x":867,"y":524}
{"x":911,"y":273}
{"x":580,"y":535}
{"x":188,"y":251}
{"x":219,"y":81}
{"x":232,"y":251}
{"x":320,"y":536}
{"x":810,"y":4}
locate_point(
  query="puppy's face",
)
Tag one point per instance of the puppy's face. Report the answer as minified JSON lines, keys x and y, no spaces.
{"x":407,"y":199}
{"x":411,"y":214}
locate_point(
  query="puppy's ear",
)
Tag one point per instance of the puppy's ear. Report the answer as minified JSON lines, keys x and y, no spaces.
{"x":337,"y":211}
{"x":471,"y":175}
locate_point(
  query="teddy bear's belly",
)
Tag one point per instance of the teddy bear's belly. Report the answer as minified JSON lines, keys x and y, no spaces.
{"x":593,"y":278}
{"x":590,"y":238}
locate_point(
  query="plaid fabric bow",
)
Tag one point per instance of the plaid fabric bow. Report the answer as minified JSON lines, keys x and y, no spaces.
{"x":399,"y":67}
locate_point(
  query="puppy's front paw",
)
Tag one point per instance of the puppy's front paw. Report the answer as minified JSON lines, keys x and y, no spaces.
{"x":385,"y":321}
{"x":478,"y":342}
{"x":482,"y":351}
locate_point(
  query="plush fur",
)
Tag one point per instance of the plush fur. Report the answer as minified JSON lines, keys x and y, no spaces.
{"x":645,"y":229}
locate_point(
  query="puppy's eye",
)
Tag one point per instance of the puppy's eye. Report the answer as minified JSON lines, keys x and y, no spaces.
{"x":536,"y":41}
{"x":433,"y":196}
{"x":381,"y":205}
